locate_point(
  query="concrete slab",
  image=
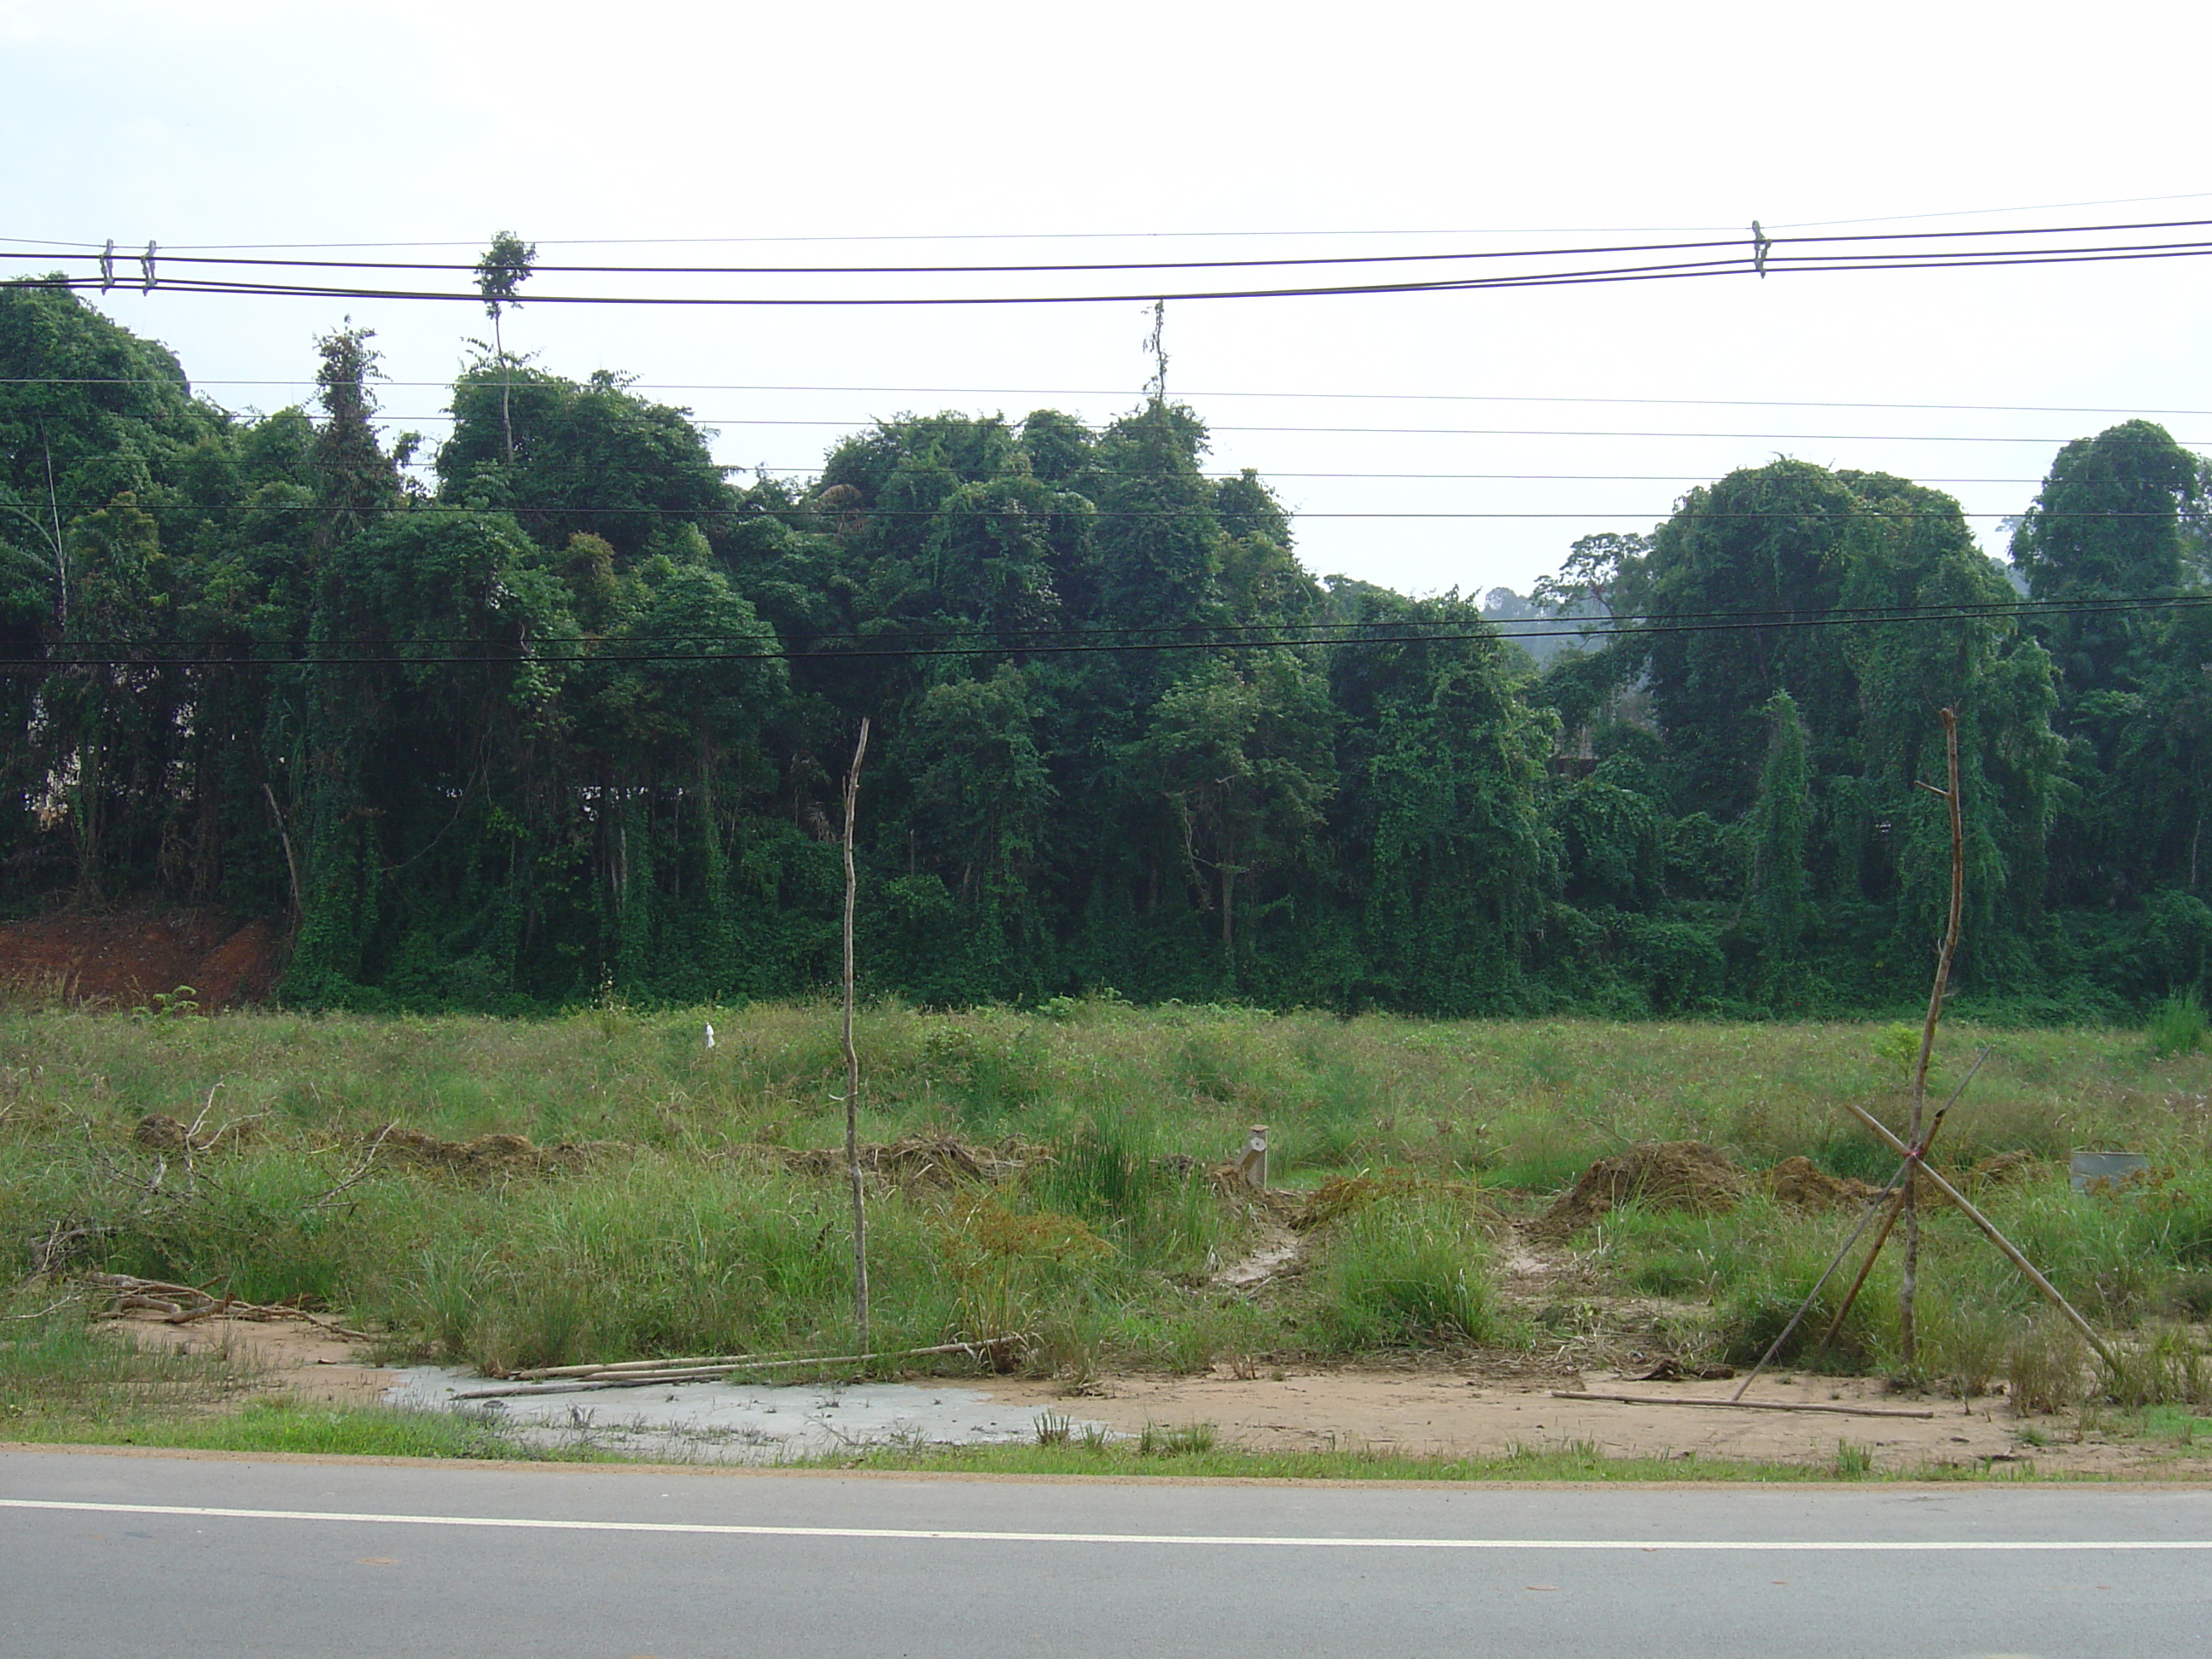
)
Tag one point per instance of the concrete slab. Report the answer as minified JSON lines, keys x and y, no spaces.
{"x":716,"y":1422}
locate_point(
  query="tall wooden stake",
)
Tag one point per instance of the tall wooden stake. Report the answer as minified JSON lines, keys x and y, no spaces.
{"x":1908,"y":1339}
{"x":853,"y":1061}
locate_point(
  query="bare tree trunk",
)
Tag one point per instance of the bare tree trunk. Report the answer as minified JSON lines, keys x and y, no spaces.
{"x":61,"y":546}
{"x":1908,"y":1337}
{"x":853,"y":1059}
{"x":506,"y":385}
{"x":291,"y":864}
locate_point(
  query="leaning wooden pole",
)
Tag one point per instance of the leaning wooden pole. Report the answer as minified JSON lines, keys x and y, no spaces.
{"x":1908,"y":1341}
{"x":853,"y":1061}
{"x":2006,"y":1248}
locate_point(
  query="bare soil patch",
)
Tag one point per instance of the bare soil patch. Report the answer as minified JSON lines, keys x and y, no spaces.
{"x":305,"y":1362}
{"x":1482,"y":1409}
{"x":126,"y":957}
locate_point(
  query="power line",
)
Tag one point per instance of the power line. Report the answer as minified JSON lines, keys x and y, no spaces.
{"x":867,"y":424}
{"x":992,"y":509}
{"x":1156,"y":234}
{"x":1967,"y":213}
{"x":1014,"y":643}
{"x":309,"y":384}
{"x":1851,"y":247}
{"x":1763,"y":257}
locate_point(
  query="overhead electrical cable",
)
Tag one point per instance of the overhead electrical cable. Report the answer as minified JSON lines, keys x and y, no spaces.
{"x":997,"y":508}
{"x":981,"y":641}
{"x":627,"y":385}
{"x":1760,"y":255}
{"x":1806,"y":246}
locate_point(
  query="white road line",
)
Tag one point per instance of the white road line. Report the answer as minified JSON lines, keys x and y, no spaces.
{"x":1263,"y":1540}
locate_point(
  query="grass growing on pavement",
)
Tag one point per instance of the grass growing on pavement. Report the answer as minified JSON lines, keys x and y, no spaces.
{"x":282,"y":1425}
{"x":1575,"y":1461}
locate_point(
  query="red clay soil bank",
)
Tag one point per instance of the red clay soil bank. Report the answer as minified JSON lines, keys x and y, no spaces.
{"x":124,"y":959}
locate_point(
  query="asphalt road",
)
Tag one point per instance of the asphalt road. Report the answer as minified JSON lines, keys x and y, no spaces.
{"x":114,"y":1557}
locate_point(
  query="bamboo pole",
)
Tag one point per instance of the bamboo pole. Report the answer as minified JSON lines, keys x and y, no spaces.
{"x":1988,"y":1230}
{"x":1904,"y":1176}
{"x":1908,"y":1336}
{"x":1873,"y":1251}
{"x":712,"y":1373}
{"x":1836,"y":1325}
{"x":612,"y":1367}
{"x":853,"y":1058}
{"x":1741,"y":1405}
{"x":1897,"y":1183}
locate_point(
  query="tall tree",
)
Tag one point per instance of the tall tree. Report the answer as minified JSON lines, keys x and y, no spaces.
{"x":505,"y":266}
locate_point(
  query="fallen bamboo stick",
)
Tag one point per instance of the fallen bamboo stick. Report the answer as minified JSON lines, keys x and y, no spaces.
{"x":2005,"y":1246}
{"x":1740,"y":1404}
{"x":589,"y":1385}
{"x":708,"y":1373}
{"x":538,"y":1373}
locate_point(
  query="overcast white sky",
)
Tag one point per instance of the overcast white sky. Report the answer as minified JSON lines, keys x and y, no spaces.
{"x":237,"y":122}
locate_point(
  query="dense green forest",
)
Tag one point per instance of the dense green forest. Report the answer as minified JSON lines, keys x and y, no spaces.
{"x":563,"y":710}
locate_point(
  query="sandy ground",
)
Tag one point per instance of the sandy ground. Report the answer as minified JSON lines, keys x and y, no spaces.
{"x":1430,"y":1412}
{"x":290,"y":1357}
{"x":1420,"y":1411}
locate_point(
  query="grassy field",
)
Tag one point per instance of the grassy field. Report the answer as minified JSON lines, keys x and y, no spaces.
{"x":681,"y":1221}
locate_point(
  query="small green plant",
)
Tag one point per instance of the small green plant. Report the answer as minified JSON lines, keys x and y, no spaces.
{"x":1900,"y":1045}
{"x":1184,"y":1440}
{"x":2177,"y":1026}
{"x":182,"y":1003}
{"x":1053,"y":1429}
{"x":1854,"y":1462}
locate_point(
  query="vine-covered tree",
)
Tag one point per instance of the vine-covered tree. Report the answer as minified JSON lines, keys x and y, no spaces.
{"x":572,"y":724}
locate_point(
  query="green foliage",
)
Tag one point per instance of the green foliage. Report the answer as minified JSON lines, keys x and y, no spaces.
{"x":579,"y":718}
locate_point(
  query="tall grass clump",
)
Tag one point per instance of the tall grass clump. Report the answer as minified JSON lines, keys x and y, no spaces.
{"x":2177,"y":1026}
{"x":1406,"y":1271}
{"x":666,"y":1257}
{"x":2043,"y":1366}
{"x":2167,"y":1367}
{"x":1154,"y":1206}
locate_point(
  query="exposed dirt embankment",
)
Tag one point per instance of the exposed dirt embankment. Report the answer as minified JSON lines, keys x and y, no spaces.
{"x":125,"y":958}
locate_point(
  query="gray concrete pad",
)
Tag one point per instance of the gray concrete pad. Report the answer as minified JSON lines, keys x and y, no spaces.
{"x":722,"y":1423}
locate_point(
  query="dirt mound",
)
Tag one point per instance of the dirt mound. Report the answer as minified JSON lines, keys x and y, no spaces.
{"x":919,"y":1160}
{"x":126,"y":959}
{"x":157,"y":1132}
{"x":1666,"y":1175}
{"x":1804,"y":1185}
{"x":490,"y":1157}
